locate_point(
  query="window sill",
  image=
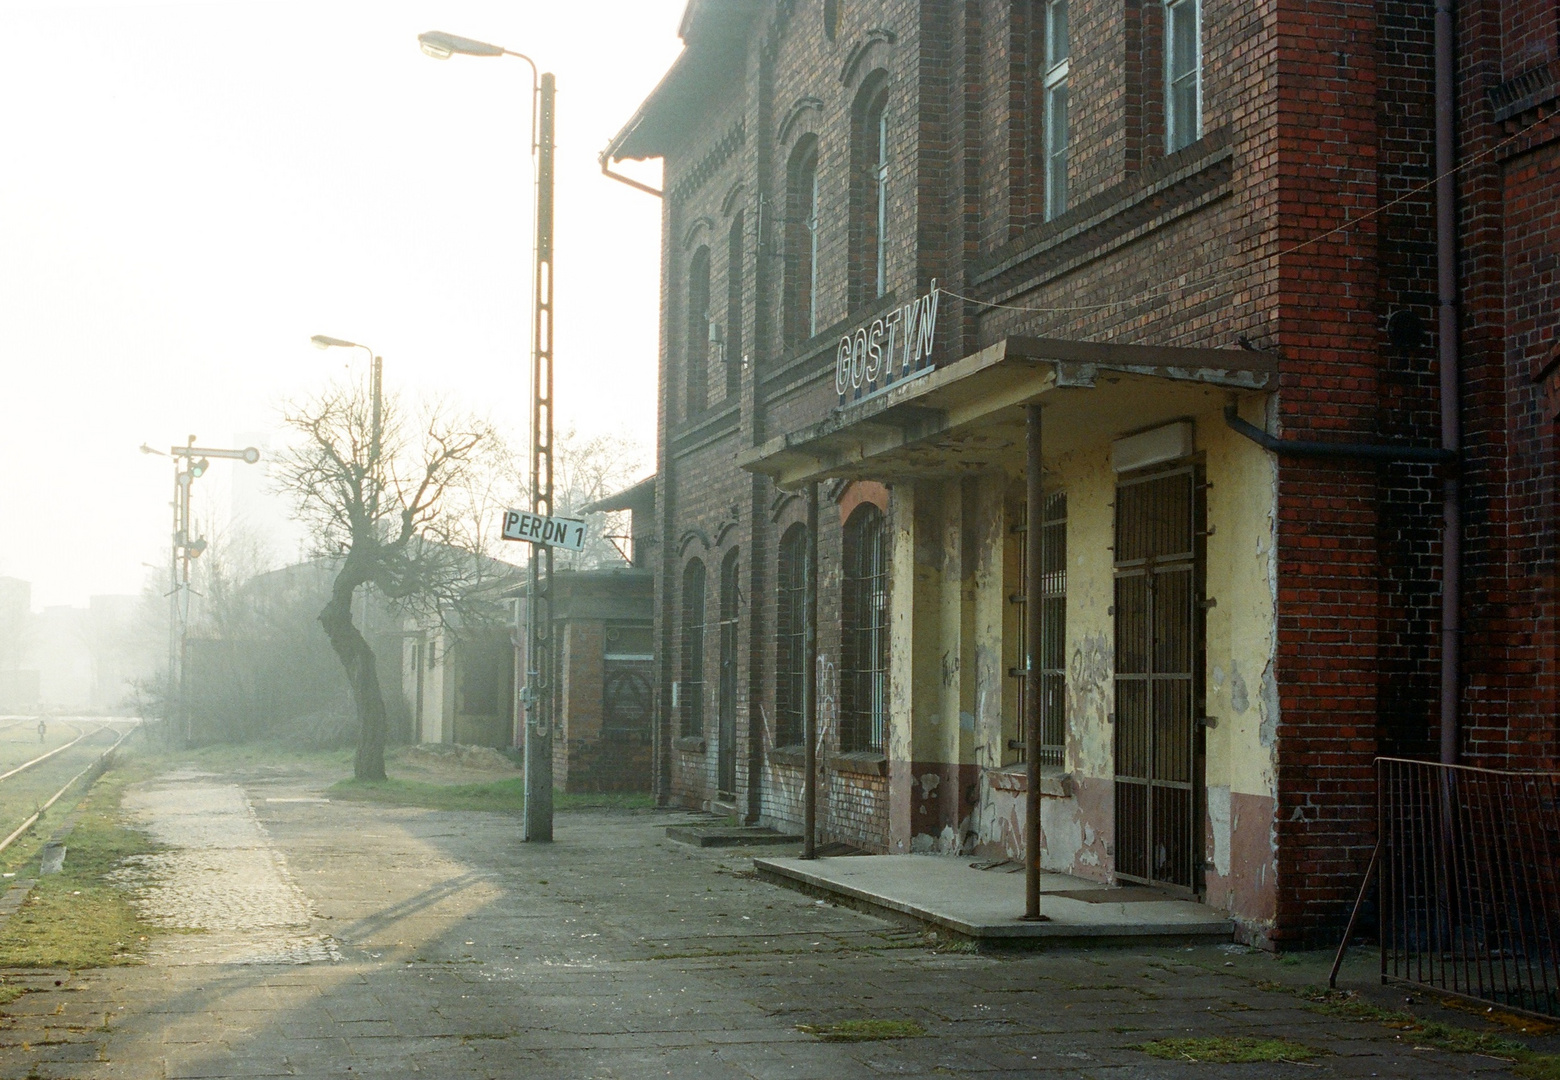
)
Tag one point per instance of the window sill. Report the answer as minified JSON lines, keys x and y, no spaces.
{"x":794,"y":756}
{"x":863,"y":762}
{"x":1054,"y":783}
{"x":689,"y":744}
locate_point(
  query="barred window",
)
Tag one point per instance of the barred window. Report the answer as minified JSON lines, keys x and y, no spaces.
{"x":691,"y":693}
{"x":1053,"y":631}
{"x":790,"y":644}
{"x":864,"y":663}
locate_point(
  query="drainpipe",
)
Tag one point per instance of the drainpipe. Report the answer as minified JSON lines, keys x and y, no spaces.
{"x":1034,"y":691}
{"x":810,"y":681}
{"x":1451,"y":375}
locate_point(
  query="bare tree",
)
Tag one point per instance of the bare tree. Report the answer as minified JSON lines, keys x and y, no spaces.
{"x":394,"y":521}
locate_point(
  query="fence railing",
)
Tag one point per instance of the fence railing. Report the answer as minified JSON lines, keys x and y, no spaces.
{"x":1470,"y":882}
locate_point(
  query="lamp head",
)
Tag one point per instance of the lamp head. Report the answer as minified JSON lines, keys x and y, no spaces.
{"x":442,"y":46}
{"x":323,"y":342}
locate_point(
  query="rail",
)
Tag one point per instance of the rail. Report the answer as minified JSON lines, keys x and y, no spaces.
{"x":100,"y":762}
{"x":1469,"y":869}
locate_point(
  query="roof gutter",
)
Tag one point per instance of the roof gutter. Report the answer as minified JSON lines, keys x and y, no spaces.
{"x":1346,"y":451}
{"x":606,"y":170}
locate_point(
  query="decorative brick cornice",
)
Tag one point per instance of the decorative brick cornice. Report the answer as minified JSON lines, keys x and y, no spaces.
{"x":710,"y":164}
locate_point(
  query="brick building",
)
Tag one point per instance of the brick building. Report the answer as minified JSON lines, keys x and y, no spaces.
{"x":1201,"y":237}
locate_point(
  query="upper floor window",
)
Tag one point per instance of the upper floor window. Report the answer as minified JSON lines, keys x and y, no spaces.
{"x":691,"y":693}
{"x":1183,"y":73}
{"x":864,"y":663}
{"x":801,"y":244}
{"x":698,"y":350}
{"x":1054,"y":79}
{"x":790,"y":652}
{"x":734,"y":305}
{"x":869,"y":192}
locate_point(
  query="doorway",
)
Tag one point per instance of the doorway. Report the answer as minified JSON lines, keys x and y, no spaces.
{"x":1159,"y":563}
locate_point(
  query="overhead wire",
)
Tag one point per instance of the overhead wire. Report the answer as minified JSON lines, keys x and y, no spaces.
{"x":1230,"y":275}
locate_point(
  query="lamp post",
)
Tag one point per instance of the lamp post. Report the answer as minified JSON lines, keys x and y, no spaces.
{"x":539,"y":693}
{"x":322,"y":341}
{"x":186,"y":547}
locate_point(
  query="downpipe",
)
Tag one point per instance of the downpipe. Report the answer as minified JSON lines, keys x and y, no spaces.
{"x":1450,"y":362}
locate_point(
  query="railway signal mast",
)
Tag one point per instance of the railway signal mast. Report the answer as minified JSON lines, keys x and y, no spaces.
{"x":190,"y":463}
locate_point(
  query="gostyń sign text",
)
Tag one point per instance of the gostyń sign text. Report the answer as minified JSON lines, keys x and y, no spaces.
{"x":892,"y":348}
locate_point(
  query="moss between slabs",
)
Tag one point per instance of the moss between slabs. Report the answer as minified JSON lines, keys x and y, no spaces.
{"x":1226,"y":1051}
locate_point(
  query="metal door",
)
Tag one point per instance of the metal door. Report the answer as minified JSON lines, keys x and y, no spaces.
{"x":1159,"y":697}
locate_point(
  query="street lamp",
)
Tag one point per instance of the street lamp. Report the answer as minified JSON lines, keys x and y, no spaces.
{"x":538,"y":696}
{"x":322,"y":341}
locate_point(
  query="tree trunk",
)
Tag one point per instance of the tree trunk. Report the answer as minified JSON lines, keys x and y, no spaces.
{"x":351,"y":648}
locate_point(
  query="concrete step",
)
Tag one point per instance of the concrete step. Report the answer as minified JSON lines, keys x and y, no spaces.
{"x":715,"y":835}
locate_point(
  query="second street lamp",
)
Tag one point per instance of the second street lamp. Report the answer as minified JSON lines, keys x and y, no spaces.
{"x":539,"y":694}
{"x":376,"y":377}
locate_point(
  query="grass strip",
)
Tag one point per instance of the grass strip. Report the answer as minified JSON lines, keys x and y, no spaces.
{"x":77,"y":918}
{"x":864,"y":1030}
{"x":502,"y":796}
{"x":1226,"y":1050}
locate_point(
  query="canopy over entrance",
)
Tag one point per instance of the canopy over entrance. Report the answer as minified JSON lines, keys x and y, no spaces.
{"x":969,"y":415}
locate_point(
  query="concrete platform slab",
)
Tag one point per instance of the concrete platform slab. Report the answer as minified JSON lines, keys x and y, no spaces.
{"x":700,"y":835}
{"x":946,"y":893}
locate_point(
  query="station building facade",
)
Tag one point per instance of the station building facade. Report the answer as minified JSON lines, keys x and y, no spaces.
{"x":1181,"y":231}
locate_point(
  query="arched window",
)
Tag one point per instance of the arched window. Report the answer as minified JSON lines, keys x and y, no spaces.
{"x":864,"y":632}
{"x":691,"y":693}
{"x":734,"y":304}
{"x":790,"y":644}
{"x":698,"y":346}
{"x":869,"y":191}
{"x":801,"y":243}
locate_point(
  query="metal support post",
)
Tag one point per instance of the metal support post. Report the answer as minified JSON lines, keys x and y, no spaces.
{"x":1034,"y":683}
{"x":541,"y":698}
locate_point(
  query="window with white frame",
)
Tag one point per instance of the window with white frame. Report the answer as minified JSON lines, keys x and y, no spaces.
{"x":880,"y":196}
{"x":1183,"y":73}
{"x":1057,"y":47}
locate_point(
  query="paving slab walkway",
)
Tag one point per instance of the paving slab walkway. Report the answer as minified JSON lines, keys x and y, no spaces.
{"x":355,"y":940}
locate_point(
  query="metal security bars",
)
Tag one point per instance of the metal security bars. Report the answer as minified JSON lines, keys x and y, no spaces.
{"x":691,"y":692}
{"x":1470,"y":882}
{"x":1053,"y":632}
{"x":790,"y":647}
{"x":1158,"y":691}
{"x":864,"y":673}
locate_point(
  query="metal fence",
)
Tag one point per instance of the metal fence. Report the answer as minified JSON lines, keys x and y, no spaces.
{"x":1470,"y":882}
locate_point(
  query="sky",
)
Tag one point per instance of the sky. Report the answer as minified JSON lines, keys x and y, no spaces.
{"x":190,"y":191}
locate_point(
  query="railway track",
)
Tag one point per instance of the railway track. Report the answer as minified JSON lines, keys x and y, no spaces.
{"x":32,"y":781}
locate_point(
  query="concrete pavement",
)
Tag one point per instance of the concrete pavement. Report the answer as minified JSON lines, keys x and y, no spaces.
{"x":348,"y":939}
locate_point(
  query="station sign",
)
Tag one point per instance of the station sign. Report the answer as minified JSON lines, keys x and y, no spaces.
{"x":558,"y":532}
{"x":890,"y":349}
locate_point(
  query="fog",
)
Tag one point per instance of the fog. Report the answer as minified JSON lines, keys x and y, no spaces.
{"x":193,"y":190}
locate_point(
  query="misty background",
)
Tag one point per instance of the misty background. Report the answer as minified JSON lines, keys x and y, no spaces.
{"x":194,"y":189}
